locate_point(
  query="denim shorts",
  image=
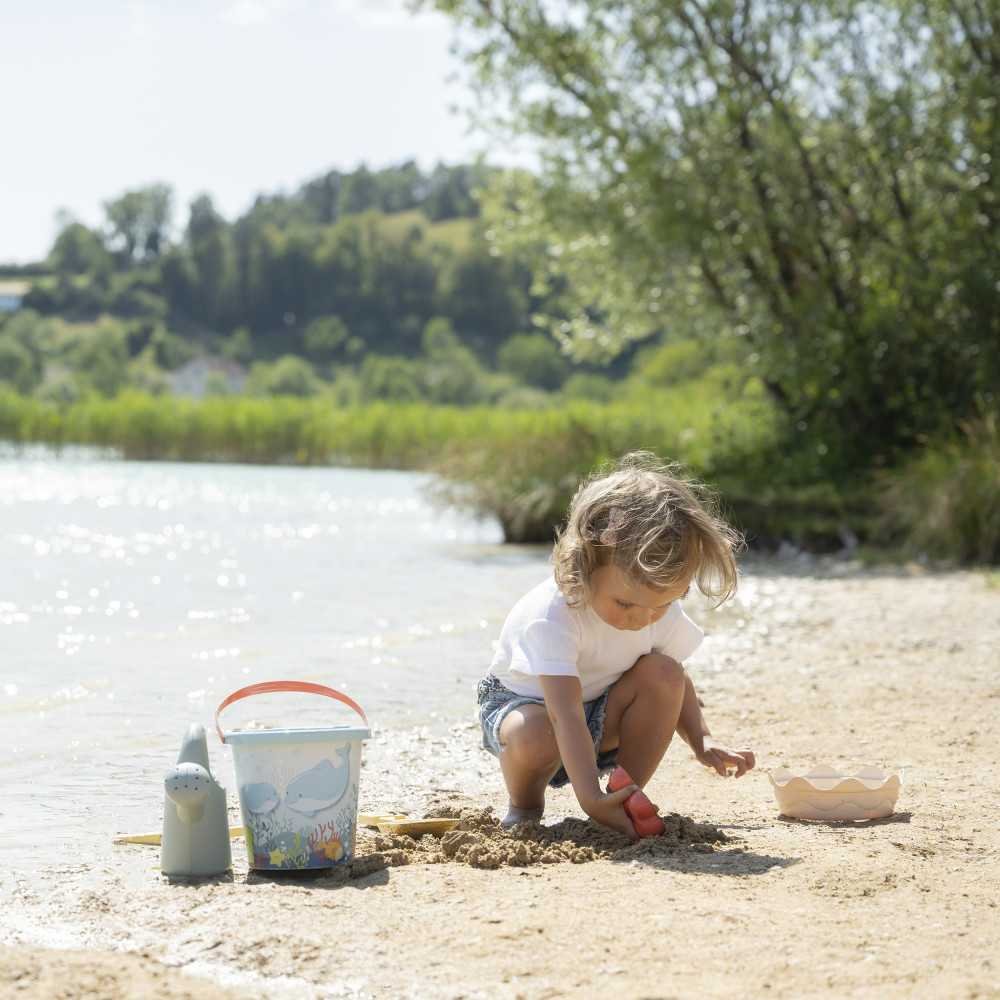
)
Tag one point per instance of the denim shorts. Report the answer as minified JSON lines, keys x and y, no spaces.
{"x":496,"y":701}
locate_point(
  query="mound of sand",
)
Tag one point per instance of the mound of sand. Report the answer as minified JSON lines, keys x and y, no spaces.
{"x":479,"y":842}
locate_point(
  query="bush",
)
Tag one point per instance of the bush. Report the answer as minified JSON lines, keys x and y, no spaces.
{"x":596,"y":388}
{"x":535,"y":359}
{"x":524,"y":468}
{"x":60,"y":387}
{"x":216,"y":384}
{"x":288,"y":376}
{"x":524,"y":473}
{"x":18,"y":367}
{"x":345,"y":388}
{"x":238,"y":346}
{"x":170,"y":351}
{"x":668,"y":364}
{"x":451,"y":373}
{"x":327,"y":339}
{"x":390,"y":378}
{"x":136,"y":294}
{"x":144,"y":375}
{"x":524,"y":397}
{"x":946,"y":502}
{"x":99,"y":355}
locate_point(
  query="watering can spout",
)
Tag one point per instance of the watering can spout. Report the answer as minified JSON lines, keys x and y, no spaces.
{"x":194,"y":747}
{"x":195,"y":825}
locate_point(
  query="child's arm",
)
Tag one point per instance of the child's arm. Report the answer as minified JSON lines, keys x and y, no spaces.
{"x":694,"y":731}
{"x":564,"y":703}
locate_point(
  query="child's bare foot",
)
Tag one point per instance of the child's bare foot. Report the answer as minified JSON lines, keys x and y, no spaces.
{"x":517,"y":815}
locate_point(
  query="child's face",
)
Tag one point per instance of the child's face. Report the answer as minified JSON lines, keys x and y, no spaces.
{"x":627,"y":605}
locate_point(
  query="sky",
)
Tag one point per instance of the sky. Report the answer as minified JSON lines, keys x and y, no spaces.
{"x":228,"y":97}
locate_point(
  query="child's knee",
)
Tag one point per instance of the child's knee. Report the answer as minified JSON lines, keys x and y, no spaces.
{"x":530,"y":739}
{"x":660,"y":673}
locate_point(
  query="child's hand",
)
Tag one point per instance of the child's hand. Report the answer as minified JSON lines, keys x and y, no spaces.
{"x":608,"y":810}
{"x":719,"y":758}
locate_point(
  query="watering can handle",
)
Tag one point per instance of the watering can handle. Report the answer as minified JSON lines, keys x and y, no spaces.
{"x":267,"y":687}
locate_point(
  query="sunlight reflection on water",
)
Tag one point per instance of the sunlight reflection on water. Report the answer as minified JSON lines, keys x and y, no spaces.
{"x":135,"y":596}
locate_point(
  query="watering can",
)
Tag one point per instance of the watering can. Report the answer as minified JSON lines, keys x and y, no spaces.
{"x":195,"y":826}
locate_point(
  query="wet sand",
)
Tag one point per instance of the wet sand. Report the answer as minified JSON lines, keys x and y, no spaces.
{"x":898,"y":667}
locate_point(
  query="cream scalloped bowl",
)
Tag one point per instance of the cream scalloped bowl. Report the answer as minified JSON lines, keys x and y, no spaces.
{"x":826,"y":793}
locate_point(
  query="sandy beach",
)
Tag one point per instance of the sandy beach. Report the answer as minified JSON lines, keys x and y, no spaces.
{"x":839,"y":664}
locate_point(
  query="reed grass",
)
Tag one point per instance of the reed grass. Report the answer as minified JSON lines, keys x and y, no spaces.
{"x":945,"y":502}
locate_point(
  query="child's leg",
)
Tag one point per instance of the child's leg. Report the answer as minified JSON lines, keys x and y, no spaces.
{"x":529,"y":757}
{"x":644,"y":705}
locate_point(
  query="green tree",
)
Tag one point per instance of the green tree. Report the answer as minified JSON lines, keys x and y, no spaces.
{"x":391,"y":378}
{"x":136,"y":294}
{"x":451,"y":191}
{"x":25,"y":340}
{"x":145,"y":375}
{"x":35,"y":333}
{"x":588,"y":385}
{"x":358,"y":192}
{"x":99,"y":357}
{"x":816,"y":177}
{"x":535,"y":360}
{"x":288,"y":376}
{"x":238,"y":346}
{"x":451,"y":374}
{"x":327,"y":338}
{"x":169,"y":350}
{"x":212,"y":261}
{"x":673,"y":362}
{"x":486,"y":297}
{"x":79,"y":250}
{"x":139,"y":222}
{"x":17,"y":366}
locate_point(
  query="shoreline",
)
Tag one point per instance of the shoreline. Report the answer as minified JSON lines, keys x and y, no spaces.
{"x":836,"y":664}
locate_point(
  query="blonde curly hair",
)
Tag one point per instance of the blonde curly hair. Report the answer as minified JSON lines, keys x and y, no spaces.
{"x":652,"y":522}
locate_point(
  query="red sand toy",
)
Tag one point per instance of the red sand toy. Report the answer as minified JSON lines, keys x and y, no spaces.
{"x":638,"y":808}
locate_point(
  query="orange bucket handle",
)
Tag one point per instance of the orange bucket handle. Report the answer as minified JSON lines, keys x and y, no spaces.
{"x":268,"y":687}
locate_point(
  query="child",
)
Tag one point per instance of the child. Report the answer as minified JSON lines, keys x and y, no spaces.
{"x":588,"y":670}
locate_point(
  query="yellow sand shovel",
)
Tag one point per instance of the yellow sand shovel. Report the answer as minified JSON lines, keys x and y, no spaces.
{"x":398,"y":823}
{"x":383,"y":822}
{"x":154,"y":838}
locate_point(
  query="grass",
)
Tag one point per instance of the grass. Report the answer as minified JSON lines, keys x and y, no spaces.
{"x":945,"y":502}
{"x":522,"y":466}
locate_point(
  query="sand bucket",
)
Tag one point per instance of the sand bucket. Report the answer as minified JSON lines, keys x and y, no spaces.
{"x":298,"y":788}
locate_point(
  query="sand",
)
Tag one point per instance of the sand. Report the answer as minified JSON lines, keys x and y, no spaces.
{"x":839,"y":664}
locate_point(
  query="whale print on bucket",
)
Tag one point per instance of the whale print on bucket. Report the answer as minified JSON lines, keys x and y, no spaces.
{"x":298,"y":788}
{"x":321,"y":786}
{"x":261,"y":797}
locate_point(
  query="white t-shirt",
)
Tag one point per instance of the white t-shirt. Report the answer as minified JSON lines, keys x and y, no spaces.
{"x":544,"y":635}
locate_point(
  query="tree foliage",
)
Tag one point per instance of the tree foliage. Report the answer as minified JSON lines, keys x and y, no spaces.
{"x":815,"y":177}
{"x":138,"y":222}
{"x":377,"y":249}
{"x":534,"y":359}
{"x":288,"y":376}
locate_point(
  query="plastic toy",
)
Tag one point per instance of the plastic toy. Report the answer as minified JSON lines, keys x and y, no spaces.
{"x":400,"y":824}
{"x":826,"y":793}
{"x":298,"y":787}
{"x":637,"y":806}
{"x":195,"y":826}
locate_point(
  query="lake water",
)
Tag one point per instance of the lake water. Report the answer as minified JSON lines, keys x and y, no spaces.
{"x":135,"y":596}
